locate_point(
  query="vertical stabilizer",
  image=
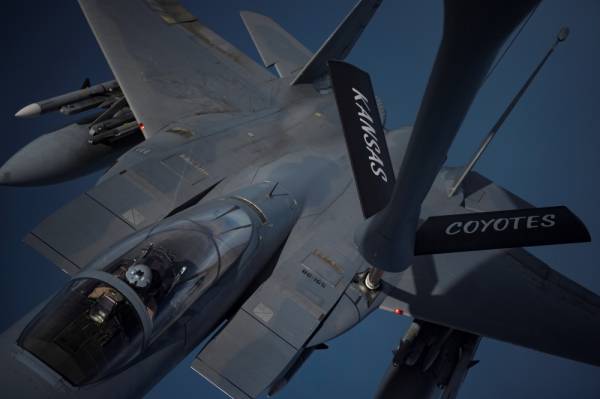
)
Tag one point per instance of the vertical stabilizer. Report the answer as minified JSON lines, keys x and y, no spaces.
{"x":275,"y":46}
{"x":339,"y":44}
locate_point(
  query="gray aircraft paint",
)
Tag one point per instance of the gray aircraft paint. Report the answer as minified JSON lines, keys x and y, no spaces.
{"x":321,"y":159}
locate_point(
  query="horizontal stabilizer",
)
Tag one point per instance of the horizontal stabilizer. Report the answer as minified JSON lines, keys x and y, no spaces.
{"x":339,"y":44}
{"x":270,"y":334}
{"x":501,"y":229}
{"x":275,"y":45}
{"x":364,"y":134}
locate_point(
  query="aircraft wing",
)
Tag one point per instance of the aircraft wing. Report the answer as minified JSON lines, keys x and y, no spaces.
{"x":508,"y":294}
{"x":169,"y":65}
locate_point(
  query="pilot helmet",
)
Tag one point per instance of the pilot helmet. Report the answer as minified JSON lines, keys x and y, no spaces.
{"x":139,"y":276}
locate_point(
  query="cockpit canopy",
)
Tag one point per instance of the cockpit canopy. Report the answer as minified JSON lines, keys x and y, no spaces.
{"x":167,"y":272}
{"x":124,"y":301}
{"x":67,"y":338}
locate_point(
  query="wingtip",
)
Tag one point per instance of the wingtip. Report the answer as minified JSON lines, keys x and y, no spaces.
{"x":252,"y":15}
{"x":245,"y":14}
{"x":29,"y":111}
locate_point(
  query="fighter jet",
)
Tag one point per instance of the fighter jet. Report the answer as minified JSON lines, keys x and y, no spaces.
{"x":261,"y":216}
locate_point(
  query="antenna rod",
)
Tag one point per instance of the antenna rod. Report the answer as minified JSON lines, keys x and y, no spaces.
{"x":561,"y":37}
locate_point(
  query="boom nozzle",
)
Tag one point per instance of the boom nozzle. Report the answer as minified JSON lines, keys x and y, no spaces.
{"x":563,"y":34}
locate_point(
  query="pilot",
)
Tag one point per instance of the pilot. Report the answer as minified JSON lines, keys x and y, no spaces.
{"x":152,"y":275}
{"x":165,"y":272}
{"x":139,"y":276}
{"x":142,"y":279}
{"x":107,"y":300}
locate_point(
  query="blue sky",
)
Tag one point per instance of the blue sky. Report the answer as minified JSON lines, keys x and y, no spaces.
{"x":547,"y":152}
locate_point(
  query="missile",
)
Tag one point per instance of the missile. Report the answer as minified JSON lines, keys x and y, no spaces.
{"x":468,"y":347}
{"x":403,"y":352}
{"x":29,"y":111}
{"x":56,"y":103}
{"x":120,"y":118}
{"x":434,"y":351}
{"x":117,"y":133}
{"x":81,"y":106}
{"x":431,"y":360}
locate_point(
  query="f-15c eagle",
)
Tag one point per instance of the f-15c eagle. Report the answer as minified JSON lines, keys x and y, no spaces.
{"x":264,"y":215}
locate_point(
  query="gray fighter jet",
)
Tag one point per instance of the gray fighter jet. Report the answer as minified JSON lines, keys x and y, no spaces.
{"x":263,"y":215}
